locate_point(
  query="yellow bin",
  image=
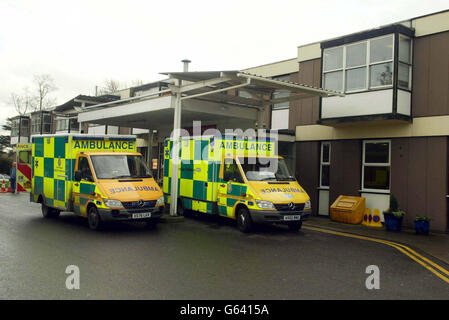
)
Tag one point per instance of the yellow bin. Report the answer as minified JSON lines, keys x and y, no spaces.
{"x":348,"y":209}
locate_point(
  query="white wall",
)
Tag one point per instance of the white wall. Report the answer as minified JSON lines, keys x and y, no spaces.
{"x":279,"y":119}
{"x":404,"y":102}
{"x":358,"y":104}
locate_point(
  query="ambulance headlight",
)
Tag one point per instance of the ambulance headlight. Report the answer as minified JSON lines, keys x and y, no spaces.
{"x":308,"y":204}
{"x":160,"y":201}
{"x":113,"y":203}
{"x":264,"y":204}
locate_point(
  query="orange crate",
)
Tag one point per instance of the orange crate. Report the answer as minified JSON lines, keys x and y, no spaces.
{"x":348,"y":209}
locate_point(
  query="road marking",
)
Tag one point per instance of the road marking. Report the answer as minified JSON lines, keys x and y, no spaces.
{"x":412,"y":254}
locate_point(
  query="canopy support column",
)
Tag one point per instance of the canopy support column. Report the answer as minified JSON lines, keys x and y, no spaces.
{"x":175,"y":156}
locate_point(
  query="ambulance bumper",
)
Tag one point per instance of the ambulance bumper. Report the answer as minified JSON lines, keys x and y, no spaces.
{"x":128,"y":215}
{"x":281,"y":217}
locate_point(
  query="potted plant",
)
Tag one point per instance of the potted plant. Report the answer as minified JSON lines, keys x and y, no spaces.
{"x":393,"y":216}
{"x":422,"y":225}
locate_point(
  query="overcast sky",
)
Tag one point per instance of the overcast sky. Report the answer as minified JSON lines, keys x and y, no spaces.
{"x":82,"y":43}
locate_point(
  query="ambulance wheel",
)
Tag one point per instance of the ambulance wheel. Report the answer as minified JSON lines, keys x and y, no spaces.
{"x":93,"y":218}
{"x":48,"y":212}
{"x":295,"y":226}
{"x":244,"y":222}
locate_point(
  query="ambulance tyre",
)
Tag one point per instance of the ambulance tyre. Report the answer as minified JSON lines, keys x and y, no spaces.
{"x":93,"y":219}
{"x":48,"y":212}
{"x":295,"y":226}
{"x":244,"y":222}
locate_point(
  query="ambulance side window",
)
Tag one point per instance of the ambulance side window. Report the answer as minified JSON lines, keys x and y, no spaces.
{"x":231,"y":172}
{"x":83,"y":166}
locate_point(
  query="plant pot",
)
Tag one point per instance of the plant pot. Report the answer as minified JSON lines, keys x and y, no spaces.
{"x":392,"y":223}
{"x":422,"y":227}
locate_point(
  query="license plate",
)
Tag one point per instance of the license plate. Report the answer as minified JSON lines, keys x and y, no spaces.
{"x":290,"y":218}
{"x":141,"y":215}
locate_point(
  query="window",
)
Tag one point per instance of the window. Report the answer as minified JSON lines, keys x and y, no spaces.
{"x":36,"y":124}
{"x":405,"y":62}
{"x":83,"y":166}
{"x":74,"y":125}
{"x":376,"y":165}
{"x":325,"y":161}
{"x":15,"y":127}
{"x":363,"y":65}
{"x":46,"y":123}
{"x":231,"y":172}
{"x":278,"y":94}
{"x":62,"y":124}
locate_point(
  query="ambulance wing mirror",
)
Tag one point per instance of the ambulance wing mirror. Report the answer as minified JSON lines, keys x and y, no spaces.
{"x":78,"y":175}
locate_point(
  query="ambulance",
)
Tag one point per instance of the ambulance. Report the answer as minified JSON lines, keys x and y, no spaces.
{"x":99,"y":177}
{"x":239,"y":178}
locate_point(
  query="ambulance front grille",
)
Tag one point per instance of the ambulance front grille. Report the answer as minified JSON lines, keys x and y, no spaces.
{"x":136,"y":205}
{"x":288,"y":207}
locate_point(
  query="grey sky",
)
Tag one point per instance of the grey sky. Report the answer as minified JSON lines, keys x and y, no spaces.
{"x":82,"y":43}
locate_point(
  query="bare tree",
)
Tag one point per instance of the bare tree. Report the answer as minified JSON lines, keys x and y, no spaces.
{"x":110,"y":86}
{"x":44,"y":85}
{"x":136,"y":83}
{"x":23,"y":102}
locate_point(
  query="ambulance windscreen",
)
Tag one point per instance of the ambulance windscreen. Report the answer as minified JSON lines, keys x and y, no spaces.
{"x":265,"y":169}
{"x":120,"y":166}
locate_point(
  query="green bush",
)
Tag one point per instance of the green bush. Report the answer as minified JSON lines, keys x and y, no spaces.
{"x":394,"y":206}
{"x":422,"y":218}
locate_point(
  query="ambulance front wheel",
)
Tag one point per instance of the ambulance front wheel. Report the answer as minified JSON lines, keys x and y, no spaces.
{"x":244,"y":222}
{"x":93,"y":218}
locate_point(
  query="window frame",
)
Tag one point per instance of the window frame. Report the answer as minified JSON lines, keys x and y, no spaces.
{"x":324,"y":163}
{"x":368,"y":64}
{"x":372,"y":164}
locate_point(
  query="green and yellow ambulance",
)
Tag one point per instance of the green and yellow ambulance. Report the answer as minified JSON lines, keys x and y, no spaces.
{"x":99,"y":177}
{"x":238,"y":178}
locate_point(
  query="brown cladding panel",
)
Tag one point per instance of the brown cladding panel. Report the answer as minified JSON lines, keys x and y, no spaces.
{"x":307,"y":169}
{"x":419,"y":179}
{"x":439,"y":74}
{"x":345,"y":169}
{"x":400,"y":158}
{"x":416,"y":180}
{"x":436,"y":175}
{"x":431,"y":75}
{"x":306,"y":111}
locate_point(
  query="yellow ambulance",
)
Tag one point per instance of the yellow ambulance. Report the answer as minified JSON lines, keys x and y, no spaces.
{"x":99,"y":177}
{"x":236,"y":177}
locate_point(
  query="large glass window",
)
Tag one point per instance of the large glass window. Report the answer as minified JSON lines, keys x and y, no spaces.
{"x":367,"y":64}
{"x":376,"y":165}
{"x":381,"y":75}
{"x":120,"y":166}
{"x":381,"y":49}
{"x":265,"y":169}
{"x":325,"y":162}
